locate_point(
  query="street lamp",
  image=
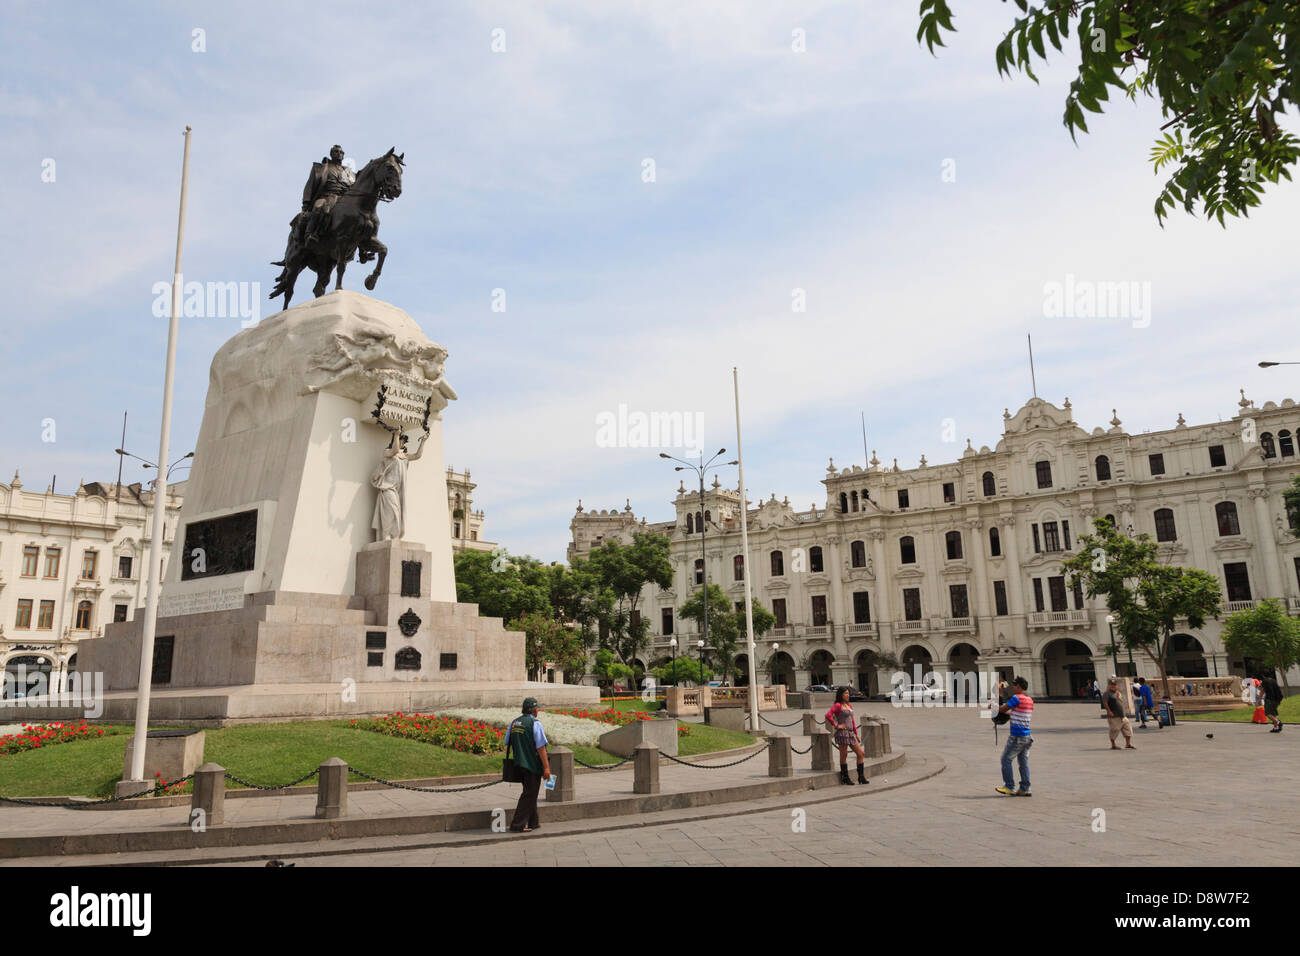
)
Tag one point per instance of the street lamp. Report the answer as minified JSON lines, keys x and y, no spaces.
{"x":700,"y":645}
{"x":704,"y":558}
{"x":776,"y":646}
{"x":1271,"y":364}
{"x":1114,"y":651}
{"x":673,"y":644}
{"x":150,"y":464}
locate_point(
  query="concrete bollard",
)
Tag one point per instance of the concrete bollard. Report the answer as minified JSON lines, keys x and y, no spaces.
{"x":561,"y":760}
{"x":332,"y":790}
{"x":810,"y":724}
{"x":645,"y":769}
{"x":885,"y":747}
{"x":209,"y":794}
{"x":778,"y":756}
{"x":872,"y":738}
{"x":821,"y":750}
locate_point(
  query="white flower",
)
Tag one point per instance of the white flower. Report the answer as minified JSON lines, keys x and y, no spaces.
{"x":560,"y":728}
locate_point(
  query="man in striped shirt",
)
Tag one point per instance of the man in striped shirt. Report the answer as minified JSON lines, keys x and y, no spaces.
{"x":1021,"y":708}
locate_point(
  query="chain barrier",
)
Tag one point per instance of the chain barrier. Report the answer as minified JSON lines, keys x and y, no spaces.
{"x":718,"y":766}
{"x":402,"y":786}
{"x":796,"y":750}
{"x":278,"y":786}
{"x":601,"y":766}
{"x":84,"y":804}
{"x":775,"y":724}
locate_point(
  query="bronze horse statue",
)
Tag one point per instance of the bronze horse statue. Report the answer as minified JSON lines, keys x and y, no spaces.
{"x":349,"y":227}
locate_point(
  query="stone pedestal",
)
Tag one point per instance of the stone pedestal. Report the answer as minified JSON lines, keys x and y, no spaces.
{"x":821,"y":750}
{"x":172,"y":753}
{"x":729,"y":718}
{"x":625,"y":740}
{"x":332,"y":790}
{"x":209,"y":795}
{"x":779,"y":759}
{"x":645,"y":769}
{"x":561,"y":760}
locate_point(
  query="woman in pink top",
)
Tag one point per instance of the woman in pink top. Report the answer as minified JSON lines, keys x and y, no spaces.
{"x":840,"y":722}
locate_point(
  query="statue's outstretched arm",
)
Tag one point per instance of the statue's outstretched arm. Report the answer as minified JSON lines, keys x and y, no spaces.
{"x":419,"y":450}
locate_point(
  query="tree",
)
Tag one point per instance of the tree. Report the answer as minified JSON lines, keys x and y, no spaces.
{"x":1224,"y":71}
{"x":619,"y":573}
{"x":1147,"y":598}
{"x":549,"y":641}
{"x":608,"y":670}
{"x":508,"y":589}
{"x":723,"y":631}
{"x":1267,"y":633}
{"x":682,"y":669}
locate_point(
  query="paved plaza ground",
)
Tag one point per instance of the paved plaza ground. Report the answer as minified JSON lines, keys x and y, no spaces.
{"x":1181,"y":799}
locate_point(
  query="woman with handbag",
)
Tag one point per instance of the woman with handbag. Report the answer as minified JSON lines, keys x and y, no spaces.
{"x":840,"y":722}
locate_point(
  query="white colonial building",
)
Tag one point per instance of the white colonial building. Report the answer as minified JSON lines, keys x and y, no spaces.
{"x":70,"y":563}
{"x":958,"y":565}
{"x":466,"y":523}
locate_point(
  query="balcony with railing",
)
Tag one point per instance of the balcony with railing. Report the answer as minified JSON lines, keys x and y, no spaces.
{"x":1233,"y":606}
{"x":909,"y":626}
{"x":1060,"y":618}
{"x":954,"y":624}
{"x":861,"y":630}
{"x":819,"y":632}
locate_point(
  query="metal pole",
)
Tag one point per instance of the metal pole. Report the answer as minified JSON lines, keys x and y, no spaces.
{"x":744,"y":545}
{"x":159,"y":498}
{"x":117,"y":490}
{"x":704,"y":557}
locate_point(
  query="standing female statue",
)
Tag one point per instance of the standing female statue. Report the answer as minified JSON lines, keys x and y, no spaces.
{"x":390,"y":479}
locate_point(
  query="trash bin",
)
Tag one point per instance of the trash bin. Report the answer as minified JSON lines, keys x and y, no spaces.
{"x":1167,"y":718}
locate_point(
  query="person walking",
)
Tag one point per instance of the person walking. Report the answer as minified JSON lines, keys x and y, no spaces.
{"x":1020,"y":707}
{"x":1272,"y":699}
{"x":1257,"y":698}
{"x":1148,"y":702}
{"x":840,"y":722}
{"x":527,"y":740}
{"x":1116,"y":720}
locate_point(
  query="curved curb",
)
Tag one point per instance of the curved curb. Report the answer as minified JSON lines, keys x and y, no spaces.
{"x":628,"y":822}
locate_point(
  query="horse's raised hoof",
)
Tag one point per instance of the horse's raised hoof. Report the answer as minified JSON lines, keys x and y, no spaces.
{"x":370,"y":283}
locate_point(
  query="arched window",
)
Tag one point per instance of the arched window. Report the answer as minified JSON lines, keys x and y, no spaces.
{"x":953,"y":540}
{"x":738,"y":567}
{"x":866,"y":496}
{"x":1284,"y":444}
{"x":990,"y":486}
{"x":858,"y":554}
{"x":1043,"y":470}
{"x":1226,"y":512}
{"x":1111,"y":519}
{"x":844,"y":503}
{"x":907,"y":550}
{"x":83,"y":615}
{"x":995,"y":543}
{"x":815,"y":558}
{"x":708,"y":518}
{"x":690,"y":523}
{"x":1266,"y":443}
{"x":1165,"y":530}
{"x":778,"y":564}
{"x":699,"y":521}
{"x":1102,"y":464}
{"x":699,"y":570}
{"x":853,"y":500}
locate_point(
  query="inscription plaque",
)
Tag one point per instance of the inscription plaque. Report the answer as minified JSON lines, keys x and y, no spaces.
{"x":376,"y":640}
{"x":216,"y":546}
{"x":409,"y":622}
{"x":407,"y":659}
{"x":411,"y":578}
{"x":162,"y":659}
{"x":375,"y":659}
{"x":447,"y":662}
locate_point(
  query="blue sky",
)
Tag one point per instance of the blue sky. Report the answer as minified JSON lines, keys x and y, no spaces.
{"x":775,"y":170}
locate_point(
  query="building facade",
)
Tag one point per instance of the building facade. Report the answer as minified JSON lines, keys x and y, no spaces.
{"x":71,"y":563}
{"x":958,"y":566}
{"x":466,"y":523}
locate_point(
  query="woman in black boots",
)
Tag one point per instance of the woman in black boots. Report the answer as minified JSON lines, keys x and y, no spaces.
{"x":840,"y":722}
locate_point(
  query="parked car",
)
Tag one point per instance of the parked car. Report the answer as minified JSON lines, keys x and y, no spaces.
{"x":821,"y":689}
{"x":915,"y":693}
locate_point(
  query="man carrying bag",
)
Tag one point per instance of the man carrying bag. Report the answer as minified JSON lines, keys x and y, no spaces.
{"x":526,"y":763}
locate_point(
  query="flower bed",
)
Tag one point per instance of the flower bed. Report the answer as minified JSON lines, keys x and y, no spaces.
{"x":465,"y":734}
{"x":619,"y":718}
{"x":561,"y":727}
{"x":36,"y":736}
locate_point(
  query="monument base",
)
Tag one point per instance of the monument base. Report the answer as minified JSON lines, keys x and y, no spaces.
{"x":213,"y":707}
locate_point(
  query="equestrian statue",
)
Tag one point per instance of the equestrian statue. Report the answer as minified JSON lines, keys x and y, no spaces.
{"x":338,"y":219}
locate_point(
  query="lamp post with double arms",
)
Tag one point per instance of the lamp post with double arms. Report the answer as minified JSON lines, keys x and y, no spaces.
{"x":700,"y":469}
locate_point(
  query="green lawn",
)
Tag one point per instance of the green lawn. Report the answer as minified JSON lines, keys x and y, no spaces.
{"x":1288,"y":711}
{"x":278,"y":753}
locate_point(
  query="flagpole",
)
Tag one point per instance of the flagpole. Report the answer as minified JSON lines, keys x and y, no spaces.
{"x":154,"y":566}
{"x":749,"y":568}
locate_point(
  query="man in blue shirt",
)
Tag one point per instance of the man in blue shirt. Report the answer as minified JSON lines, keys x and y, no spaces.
{"x":1021,"y":708}
{"x":526,"y":740}
{"x":1146,"y":701}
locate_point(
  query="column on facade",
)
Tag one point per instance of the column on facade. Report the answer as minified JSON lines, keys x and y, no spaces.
{"x":1267,"y":544}
{"x":880,"y":573}
{"x":1011,"y":548}
{"x":975,"y":548}
{"x":837,"y":614}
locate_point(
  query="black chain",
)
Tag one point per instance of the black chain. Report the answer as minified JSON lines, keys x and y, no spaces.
{"x":402,"y":786}
{"x":718,"y":766}
{"x":602,"y":766}
{"x":801,"y":752}
{"x":278,"y":786}
{"x":83,"y":804}
{"x":775,"y":724}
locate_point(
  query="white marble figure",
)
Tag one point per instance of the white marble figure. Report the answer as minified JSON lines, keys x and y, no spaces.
{"x":390,"y":478}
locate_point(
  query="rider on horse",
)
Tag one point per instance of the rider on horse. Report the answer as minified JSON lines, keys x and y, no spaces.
{"x":329,"y":179}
